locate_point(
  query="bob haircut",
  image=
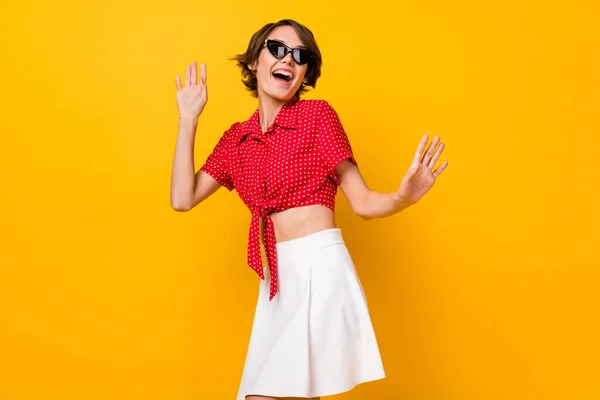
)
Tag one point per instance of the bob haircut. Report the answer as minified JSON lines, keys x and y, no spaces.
{"x":313,"y":70}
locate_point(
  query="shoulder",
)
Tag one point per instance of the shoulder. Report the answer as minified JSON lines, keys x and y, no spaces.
{"x":231,"y":132}
{"x":240,"y":127}
{"x":226,"y":140}
{"x":314,"y":104}
{"x":234,"y":128}
{"x":315,"y":109}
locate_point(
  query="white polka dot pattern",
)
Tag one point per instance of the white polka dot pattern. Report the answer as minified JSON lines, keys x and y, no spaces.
{"x":292,"y":164}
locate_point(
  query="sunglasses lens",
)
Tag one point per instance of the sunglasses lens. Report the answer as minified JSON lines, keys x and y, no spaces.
{"x":301,"y":56}
{"x":279,"y":50}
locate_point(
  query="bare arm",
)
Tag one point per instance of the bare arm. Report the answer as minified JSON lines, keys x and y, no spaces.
{"x":418,"y":180}
{"x":188,"y":188}
{"x":366,"y":203}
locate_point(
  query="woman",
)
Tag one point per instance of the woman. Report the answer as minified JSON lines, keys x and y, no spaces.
{"x":312,"y":335}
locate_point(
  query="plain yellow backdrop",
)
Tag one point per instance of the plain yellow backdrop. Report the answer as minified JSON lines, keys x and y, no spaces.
{"x":486,"y":289}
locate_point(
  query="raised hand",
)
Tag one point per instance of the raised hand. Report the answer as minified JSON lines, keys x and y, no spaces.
{"x":192,"y":98}
{"x":420,"y":177}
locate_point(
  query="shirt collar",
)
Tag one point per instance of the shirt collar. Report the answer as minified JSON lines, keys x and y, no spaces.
{"x":286,"y":118}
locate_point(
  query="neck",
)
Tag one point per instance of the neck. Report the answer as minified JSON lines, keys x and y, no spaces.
{"x":268,"y":108}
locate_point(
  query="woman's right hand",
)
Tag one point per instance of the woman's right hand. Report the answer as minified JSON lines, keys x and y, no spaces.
{"x":192,"y":98}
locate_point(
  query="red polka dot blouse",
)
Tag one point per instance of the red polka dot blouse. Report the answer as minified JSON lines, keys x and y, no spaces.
{"x":290,"y":165}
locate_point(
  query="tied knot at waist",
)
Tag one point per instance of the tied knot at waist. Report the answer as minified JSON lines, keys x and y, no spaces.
{"x":254,"y":254}
{"x":263,"y":210}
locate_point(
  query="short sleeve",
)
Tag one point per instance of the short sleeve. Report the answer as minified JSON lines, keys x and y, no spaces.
{"x":218,"y":162}
{"x":333,"y":142}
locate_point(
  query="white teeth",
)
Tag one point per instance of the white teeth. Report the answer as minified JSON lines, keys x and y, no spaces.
{"x":283,"y":72}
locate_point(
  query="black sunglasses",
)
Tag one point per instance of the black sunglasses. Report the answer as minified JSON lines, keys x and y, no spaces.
{"x":280,"y":50}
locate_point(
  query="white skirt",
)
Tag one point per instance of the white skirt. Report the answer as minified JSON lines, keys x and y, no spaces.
{"x":315,"y":338}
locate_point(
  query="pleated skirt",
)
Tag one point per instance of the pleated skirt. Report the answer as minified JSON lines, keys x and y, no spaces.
{"x":315,"y":338}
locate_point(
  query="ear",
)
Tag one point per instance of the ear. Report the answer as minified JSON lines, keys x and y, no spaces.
{"x":252,"y":67}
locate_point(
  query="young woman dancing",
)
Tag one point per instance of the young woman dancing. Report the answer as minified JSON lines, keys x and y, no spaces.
{"x":312,"y":334}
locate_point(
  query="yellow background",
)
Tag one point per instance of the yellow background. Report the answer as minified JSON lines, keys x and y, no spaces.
{"x":486,"y":289}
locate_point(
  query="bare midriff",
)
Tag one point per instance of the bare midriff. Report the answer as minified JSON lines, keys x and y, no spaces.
{"x":297,"y":222}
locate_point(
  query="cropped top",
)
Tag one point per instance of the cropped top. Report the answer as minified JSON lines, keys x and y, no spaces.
{"x":292,"y":164}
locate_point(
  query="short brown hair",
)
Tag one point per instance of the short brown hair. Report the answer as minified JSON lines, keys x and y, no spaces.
{"x":313,"y":70}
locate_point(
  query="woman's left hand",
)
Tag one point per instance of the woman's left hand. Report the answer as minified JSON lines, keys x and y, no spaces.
{"x":420,"y":177}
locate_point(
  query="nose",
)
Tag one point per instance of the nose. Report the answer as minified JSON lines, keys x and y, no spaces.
{"x":288,"y":58}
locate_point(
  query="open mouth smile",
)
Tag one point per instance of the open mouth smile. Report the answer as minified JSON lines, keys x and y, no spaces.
{"x":283,"y":75}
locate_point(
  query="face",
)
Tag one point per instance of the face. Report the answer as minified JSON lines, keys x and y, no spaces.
{"x":280,"y":78}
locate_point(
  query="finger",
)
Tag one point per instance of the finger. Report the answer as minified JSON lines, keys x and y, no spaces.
{"x":203,"y":73}
{"x":430,"y":150}
{"x":188,"y":71}
{"x":194,"y":73}
{"x":420,"y":149}
{"x":440,"y":169}
{"x":436,"y":156}
{"x":178,"y":81}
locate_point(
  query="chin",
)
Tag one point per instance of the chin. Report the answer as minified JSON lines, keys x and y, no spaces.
{"x":281,"y":93}
{"x":284,"y":97}
{"x":277,"y":95}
